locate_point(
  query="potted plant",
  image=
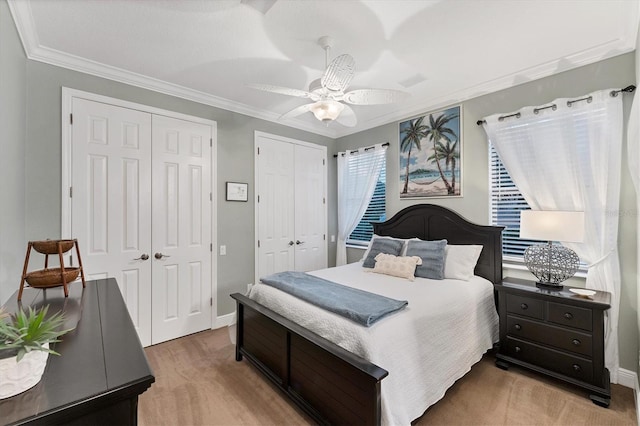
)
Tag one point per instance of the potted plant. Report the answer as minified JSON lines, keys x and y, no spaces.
{"x":24,"y":347}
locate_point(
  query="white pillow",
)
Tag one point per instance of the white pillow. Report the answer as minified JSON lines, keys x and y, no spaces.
{"x":397,"y":266}
{"x":460,"y":261}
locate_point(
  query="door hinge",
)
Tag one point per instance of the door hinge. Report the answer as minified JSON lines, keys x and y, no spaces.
{"x":324,"y":237}
{"x":211,"y":301}
{"x":258,"y":243}
{"x":258,"y":198}
{"x":211,"y":142}
{"x":71,"y":119}
{"x":258,"y":150}
{"x":71,"y":192}
{"x":71,"y":260}
{"x":323,"y":161}
{"x":324,"y":200}
{"x":211,"y":247}
{"x":211,"y":196}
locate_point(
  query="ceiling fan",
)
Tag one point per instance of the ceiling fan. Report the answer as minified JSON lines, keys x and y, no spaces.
{"x":330,"y":101}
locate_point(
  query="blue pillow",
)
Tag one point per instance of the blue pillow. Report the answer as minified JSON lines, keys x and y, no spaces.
{"x":382,"y":245}
{"x":432,"y":255}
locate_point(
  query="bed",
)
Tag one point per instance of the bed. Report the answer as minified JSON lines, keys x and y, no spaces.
{"x":390,"y":373}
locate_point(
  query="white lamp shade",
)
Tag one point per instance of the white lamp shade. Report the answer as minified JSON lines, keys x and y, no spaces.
{"x":327,"y":110}
{"x":552,"y":226}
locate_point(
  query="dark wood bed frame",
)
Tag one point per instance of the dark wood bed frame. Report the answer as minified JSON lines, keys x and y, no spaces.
{"x":329,"y":383}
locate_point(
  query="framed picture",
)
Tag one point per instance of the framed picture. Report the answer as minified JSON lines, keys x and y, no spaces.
{"x":431,"y":155}
{"x":237,"y":191}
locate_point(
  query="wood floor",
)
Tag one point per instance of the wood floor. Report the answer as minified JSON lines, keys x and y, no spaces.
{"x":198,"y":382}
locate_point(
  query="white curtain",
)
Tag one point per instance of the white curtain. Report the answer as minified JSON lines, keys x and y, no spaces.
{"x":568,"y":157}
{"x":357,"y":176}
{"x":633,"y":158}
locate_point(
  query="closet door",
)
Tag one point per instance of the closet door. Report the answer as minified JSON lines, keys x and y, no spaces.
{"x":181,"y":221}
{"x":291,"y":219}
{"x":310,"y":209}
{"x":111,"y":201}
{"x":275,"y":206}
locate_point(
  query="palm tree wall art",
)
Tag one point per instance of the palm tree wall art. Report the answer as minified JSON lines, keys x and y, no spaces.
{"x":430,"y":155}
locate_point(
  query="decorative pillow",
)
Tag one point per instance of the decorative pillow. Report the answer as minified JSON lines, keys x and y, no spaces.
{"x":374,"y":237}
{"x":432,"y":255}
{"x":403,"y":267}
{"x":385,"y":245}
{"x":460,"y":261}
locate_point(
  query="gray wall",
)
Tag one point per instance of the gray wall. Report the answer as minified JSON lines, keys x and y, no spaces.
{"x":474,"y":205}
{"x":13,"y":97}
{"x":235,"y":163}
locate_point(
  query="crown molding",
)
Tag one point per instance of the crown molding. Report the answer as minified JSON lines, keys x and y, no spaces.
{"x":23,"y":17}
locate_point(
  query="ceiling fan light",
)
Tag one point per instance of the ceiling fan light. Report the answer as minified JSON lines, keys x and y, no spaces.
{"x":327,"y":110}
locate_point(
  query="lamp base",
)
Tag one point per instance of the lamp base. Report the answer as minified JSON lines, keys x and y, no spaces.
{"x":549,"y":286}
{"x":551,"y":264}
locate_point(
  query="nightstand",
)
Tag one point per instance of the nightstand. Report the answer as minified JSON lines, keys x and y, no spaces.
{"x":554,"y":332}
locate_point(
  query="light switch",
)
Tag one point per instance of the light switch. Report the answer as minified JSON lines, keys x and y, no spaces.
{"x":223,"y":250}
{"x":333,"y":238}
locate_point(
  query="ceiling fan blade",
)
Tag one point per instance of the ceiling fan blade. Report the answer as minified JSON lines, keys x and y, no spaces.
{"x":347,"y":117}
{"x":281,"y":90}
{"x":339,"y":73}
{"x":296,"y":111}
{"x":374,"y":96}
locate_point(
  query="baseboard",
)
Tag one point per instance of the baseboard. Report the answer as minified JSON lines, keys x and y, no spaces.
{"x":225,"y":320}
{"x":627,"y":378}
{"x":637,"y":398}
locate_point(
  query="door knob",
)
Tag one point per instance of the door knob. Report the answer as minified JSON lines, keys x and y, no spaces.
{"x":160,"y":256}
{"x":298,"y":242}
{"x":290,"y":243}
{"x":144,"y":256}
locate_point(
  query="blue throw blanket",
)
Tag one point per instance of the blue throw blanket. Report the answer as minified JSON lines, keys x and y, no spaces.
{"x":360,"y":306}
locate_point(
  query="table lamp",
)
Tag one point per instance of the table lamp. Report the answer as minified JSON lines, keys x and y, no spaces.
{"x":551,"y":264}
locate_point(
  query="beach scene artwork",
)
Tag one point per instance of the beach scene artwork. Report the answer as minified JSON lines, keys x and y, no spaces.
{"x":430,"y":155}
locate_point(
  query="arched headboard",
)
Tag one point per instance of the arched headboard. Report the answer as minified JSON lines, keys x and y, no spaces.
{"x":432,"y":222}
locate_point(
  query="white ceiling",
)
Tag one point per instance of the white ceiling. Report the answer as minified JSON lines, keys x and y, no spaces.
{"x":441,"y":52}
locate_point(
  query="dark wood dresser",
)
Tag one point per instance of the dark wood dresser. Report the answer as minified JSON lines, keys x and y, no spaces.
{"x":102,"y":368}
{"x":554,"y":332}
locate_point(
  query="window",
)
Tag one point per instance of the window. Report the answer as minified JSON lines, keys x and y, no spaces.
{"x":506,"y":204}
{"x":376,"y":212}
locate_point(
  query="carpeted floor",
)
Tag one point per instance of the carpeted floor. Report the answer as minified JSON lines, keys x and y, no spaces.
{"x":198,"y":382}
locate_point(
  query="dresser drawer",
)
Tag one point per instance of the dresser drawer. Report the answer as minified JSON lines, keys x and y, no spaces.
{"x":526,"y":306}
{"x":570,"y":316}
{"x":561,"y":338}
{"x":560,"y":362}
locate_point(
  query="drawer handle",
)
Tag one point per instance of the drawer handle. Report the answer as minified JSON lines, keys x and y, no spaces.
{"x":518,"y":349}
{"x":568,"y":315}
{"x":517,"y":327}
{"x":524,"y":306}
{"x":577,"y":368}
{"x":576,"y":342}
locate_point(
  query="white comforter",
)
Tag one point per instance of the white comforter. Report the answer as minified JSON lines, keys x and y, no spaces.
{"x":446,"y":328}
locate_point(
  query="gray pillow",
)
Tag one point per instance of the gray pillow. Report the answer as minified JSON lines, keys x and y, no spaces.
{"x":382,"y":245}
{"x":432,"y":255}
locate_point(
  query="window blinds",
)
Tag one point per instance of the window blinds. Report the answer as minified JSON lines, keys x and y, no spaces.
{"x":506,"y":204}
{"x":376,"y":212}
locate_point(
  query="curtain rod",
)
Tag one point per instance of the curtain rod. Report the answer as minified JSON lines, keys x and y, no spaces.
{"x":613,"y":94}
{"x":369,"y":148}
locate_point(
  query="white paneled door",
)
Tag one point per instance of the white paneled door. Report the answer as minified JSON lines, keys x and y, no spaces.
{"x":310,"y":217}
{"x":141,"y":210}
{"x":111,"y":203}
{"x":291,"y":216}
{"x":275,"y":216}
{"x":181,"y":222}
